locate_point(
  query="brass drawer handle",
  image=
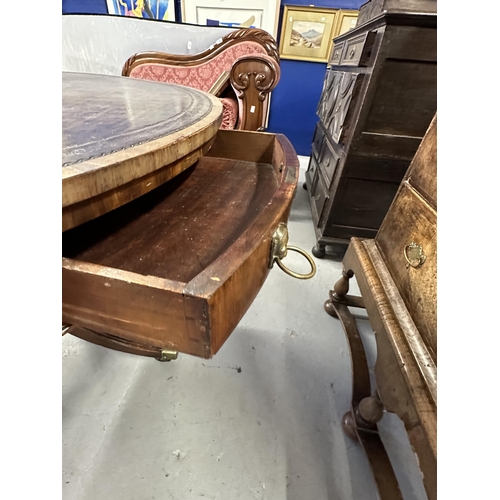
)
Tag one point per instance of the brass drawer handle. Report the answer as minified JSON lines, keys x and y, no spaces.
{"x":279,"y":249}
{"x":414,"y":255}
{"x":327,"y":162}
{"x":351,"y":54}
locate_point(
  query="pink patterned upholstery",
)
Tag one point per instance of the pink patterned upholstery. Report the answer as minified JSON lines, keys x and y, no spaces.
{"x":229,"y":113}
{"x":202,"y":76}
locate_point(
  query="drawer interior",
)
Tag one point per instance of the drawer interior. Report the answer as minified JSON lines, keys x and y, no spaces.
{"x":180,"y":228}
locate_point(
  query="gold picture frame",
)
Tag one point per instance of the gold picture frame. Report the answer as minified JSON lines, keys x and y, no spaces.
{"x":307,"y":33}
{"x":347,"y":20}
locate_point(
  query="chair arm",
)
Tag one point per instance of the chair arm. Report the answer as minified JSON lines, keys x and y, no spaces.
{"x":253,"y":77}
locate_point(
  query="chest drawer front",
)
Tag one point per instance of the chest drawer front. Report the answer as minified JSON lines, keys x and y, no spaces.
{"x":408,"y":241}
{"x":319,"y":195}
{"x":357,"y":50}
{"x":318,"y":137}
{"x":328,"y":95}
{"x":328,"y":161}
{"x":339,"y":117}
{"x":311,"y":171}
{"x":336,"y":53}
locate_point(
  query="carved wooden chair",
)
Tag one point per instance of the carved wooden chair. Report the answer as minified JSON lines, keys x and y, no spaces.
{"x":242,"y":68}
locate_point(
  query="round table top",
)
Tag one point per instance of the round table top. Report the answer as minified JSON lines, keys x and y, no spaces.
{"x":117,"y":129}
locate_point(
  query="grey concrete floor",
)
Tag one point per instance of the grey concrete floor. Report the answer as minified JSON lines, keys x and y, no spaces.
{"x":262,"y":420}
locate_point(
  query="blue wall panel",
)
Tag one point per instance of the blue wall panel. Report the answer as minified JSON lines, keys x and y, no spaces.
{"x":294,"y":102}
{"x":295,"y":99}
{"x":84,"y":7}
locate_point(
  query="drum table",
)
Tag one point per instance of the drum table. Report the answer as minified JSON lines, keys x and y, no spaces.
{"x":170,"y":225}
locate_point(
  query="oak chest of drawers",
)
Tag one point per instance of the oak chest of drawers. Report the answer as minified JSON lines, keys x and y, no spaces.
{"x":378,"y":99}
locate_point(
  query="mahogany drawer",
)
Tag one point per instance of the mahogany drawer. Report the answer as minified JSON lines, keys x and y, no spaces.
{"x":177,"y":268}
{"x":336,"y":54}
{"x":357,"y":50}
{"x":319,"y":196}
{"x":328,"y":161}
{"x":408,"y":241}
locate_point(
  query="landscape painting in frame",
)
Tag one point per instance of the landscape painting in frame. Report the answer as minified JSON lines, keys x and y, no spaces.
{"x":307,"y":33}
{"x":147,"y":9}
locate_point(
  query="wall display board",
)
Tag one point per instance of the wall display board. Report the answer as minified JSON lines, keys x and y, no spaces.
{"x":262,"y":14}
{"x":148,"y":9}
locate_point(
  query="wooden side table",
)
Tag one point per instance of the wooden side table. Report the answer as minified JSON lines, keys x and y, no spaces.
{"x":397,"y":276}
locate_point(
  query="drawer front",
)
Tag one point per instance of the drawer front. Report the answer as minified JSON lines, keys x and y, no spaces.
{"x":329,"y":96}
{"x":325,"y":101}
{"x":311,"y":171}
{"x":339,"y":117}
{"x":174,"y":269}
{"x":336,"y":53}
{"x":408,"y":242}
{"x":319,"y":195}
{"x":328,"y":161}
{"x":357,"y":50}
{"x":319,"y":134}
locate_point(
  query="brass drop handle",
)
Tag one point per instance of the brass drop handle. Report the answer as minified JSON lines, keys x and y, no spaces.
{"x":351,"y":54}
{"x":414,"y":255}
{"x":327,"y":162}
{"x":279,"y":250}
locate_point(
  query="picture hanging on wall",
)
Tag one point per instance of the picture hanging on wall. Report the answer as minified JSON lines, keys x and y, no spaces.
{"x":148,"y":9}
{"x":347,"y":21}
{"x":261,"y":14}
{"x":307,"y":33}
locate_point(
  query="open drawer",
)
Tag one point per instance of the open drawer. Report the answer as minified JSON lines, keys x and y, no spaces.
{"x":177,"y":268}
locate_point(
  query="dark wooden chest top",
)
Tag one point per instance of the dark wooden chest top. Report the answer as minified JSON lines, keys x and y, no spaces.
{"x":378,"y":99}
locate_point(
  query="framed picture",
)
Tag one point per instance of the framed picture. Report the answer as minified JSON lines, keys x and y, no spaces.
{"x":148,"y":9}
{"x":347,"y":21}
{"x":262,"y":14}
{"x":307,"y":33}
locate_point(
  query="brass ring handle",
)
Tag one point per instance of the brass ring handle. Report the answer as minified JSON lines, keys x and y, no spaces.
{"x":351,"y":54}
{"x":279,"y":249}
{"x":293,"y":273}
{"x":414,"y":255}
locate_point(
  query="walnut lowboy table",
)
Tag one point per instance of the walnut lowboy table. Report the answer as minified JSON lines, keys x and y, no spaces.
{"x":397,"y":276}
{"x":170,"y":226}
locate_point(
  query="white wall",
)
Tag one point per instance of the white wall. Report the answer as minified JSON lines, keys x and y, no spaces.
{"x":102,"y":44}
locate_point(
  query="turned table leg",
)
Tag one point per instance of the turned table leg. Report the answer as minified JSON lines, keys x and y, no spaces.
{"x":360,"y":422}
{"x":339,"y":295}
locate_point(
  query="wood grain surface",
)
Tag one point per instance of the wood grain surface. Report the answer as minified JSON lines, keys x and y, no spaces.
{"x":401,"y":300}
{"x":405,"y":373}
{"x":178,"y":267}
